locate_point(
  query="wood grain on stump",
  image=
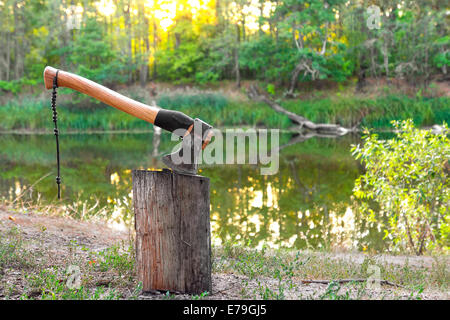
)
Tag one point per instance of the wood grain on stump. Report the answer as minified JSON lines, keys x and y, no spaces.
{"x":173,"y":242}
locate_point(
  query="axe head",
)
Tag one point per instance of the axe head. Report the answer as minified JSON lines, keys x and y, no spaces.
{"x":195,"y":139}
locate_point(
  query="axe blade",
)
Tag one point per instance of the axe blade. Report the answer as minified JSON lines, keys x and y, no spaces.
{"x":185,"y":160}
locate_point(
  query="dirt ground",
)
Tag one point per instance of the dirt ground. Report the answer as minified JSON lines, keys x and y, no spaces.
{"x":59,"y":232}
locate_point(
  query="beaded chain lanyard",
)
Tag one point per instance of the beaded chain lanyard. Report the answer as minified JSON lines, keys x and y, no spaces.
{"x":55,"y":121}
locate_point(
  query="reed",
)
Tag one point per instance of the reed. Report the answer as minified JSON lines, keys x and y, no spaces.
{"x":35,"y":115}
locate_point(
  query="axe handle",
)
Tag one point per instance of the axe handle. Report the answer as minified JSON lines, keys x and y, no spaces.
{"x":99,"y":92}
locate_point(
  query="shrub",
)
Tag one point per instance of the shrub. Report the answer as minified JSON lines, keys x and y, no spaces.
{"x":407,"y":177}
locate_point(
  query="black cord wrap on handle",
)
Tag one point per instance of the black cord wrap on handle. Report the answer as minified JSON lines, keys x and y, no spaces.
{"x":55,"y":121}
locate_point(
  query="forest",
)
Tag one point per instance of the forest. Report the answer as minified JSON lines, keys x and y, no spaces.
{"x":280,"y":43}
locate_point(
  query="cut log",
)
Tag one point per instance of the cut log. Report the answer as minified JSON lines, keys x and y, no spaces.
{"x":173,"y":241}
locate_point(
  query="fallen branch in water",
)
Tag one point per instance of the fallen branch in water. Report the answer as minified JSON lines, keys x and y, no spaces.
{"x":323,"y":128}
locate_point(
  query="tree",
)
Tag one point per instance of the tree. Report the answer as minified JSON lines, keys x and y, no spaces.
{"x":309,"y":23}
{"x":280,"y":41}
{"x":91,"y":52}
{"x":407,"y":177}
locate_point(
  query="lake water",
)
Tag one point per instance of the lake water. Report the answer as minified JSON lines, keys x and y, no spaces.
{"x":306,"y":204}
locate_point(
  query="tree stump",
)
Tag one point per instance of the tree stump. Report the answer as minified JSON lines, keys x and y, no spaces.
{"x":173,"y":240}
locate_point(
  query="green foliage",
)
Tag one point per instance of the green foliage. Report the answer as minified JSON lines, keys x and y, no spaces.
{"x":201,"y":296}
{"x":15,"y":86}
{"x":325,"y":40}
{"x":407,"y":177}
{"x":270,"y":89}
{"x":13,"y":252}
{"x":372,"y":113}
{"x":168,"y":296}
{"x":34,"y":114}
{"x":50,"y":284}
{"x":290,"y":265}
{"x":442,"y":57}
{"x":181,"y":63}
{"x":214,"y":101}
{"x":257,"y":263}
{"x":332,"y":292}
{"x":408,"y":44}
{"x":117,"y":257}
{"x":222,"y":111}
{"x":92,"y":52}
{"x":268,"y":60}
{"x":29,"y":270}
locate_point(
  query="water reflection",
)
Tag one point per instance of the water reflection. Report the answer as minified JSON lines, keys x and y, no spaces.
{"x":307,"y":204}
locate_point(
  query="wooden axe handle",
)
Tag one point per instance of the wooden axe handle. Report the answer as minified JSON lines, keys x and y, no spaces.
{"x":99,"y":92}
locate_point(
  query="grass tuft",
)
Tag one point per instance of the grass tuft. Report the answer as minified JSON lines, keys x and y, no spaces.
{"x":30,"y":113}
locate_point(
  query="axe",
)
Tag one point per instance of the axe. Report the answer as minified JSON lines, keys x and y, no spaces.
{"x":195,"y":133}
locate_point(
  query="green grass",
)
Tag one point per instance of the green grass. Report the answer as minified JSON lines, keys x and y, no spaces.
{"x":373,"y":113}
{"x":285,"y":266}
{"x":13,"y":252}
{"x":37,"y":115}
{"x":28,"y":114}
{"x":30,"y":271}
{"x":222,"y":111}
{"x":106,"y":274}
{"x":49,"y":284}
{"x":118,"y":257}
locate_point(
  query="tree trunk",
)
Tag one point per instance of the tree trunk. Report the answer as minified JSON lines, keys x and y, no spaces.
{"x":155,"y":44}
{"x":261,"y":13}
{"x":129,"y":36}
{"x":236,"y":57}
{"x":244,"y":36}
{"x":177,"y":40}
{"x":173,"y":242}
{"x":145,"y":46}
{"x":8,"y":57}
{"x":219,"y":22}
{"x":294,"y":79}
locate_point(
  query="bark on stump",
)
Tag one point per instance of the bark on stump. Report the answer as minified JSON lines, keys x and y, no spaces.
{"x":173,"y":240}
